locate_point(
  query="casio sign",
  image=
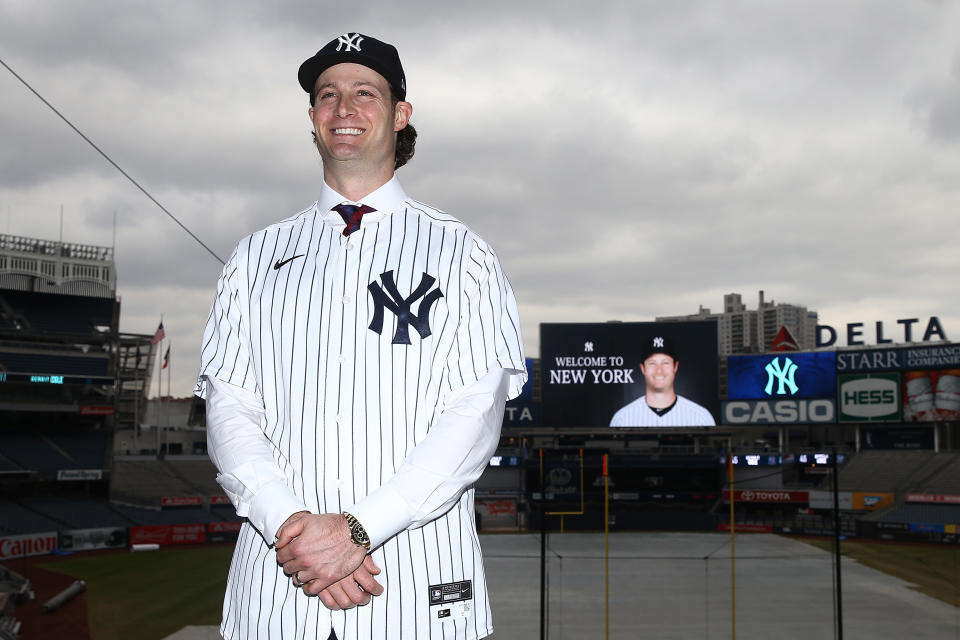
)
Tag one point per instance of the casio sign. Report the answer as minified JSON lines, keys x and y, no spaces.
{"x":778,"y":411}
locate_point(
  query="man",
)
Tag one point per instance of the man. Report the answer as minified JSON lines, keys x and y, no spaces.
{"x":356,"y":363}
{"x":661,"y":406}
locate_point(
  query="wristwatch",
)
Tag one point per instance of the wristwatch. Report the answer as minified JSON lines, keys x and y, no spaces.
{"x":357,"y":533}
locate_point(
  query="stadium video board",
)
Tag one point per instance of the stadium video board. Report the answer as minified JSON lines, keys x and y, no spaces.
{"x":781,"y":388}
{"x":522,"y":411}
{"x":794,"y":374}
{"x":925,"y":379}
{"x":591,"y":374}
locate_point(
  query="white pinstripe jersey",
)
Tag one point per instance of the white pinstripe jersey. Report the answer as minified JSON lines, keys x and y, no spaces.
{"x":685,"y":413}
{"x":345,"y":404}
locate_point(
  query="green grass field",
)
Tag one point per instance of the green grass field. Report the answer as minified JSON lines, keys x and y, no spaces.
{"x":151,"y":595}
{"x":932,"y":570}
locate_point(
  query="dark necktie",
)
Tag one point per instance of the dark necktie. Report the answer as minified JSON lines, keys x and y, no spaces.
{"x":351,"y":215}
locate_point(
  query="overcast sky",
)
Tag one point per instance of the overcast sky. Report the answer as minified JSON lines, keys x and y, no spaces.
{"x":626,"y":159}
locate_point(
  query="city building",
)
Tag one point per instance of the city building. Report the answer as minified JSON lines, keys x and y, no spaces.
{"x":742,"y":330}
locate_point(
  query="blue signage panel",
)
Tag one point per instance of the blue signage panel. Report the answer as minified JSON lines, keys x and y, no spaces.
{"x":940,"y":356}
{"x":803,"y":374}
{"x":522,"y":411}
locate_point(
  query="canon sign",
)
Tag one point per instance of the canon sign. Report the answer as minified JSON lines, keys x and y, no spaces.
{"x":34,"y":544}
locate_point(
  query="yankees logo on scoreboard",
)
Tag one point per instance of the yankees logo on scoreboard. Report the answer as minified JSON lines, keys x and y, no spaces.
{"x":393,"y":300}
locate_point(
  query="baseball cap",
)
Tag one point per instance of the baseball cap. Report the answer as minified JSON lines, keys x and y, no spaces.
{"x":360,"y":49}
{"x":658,"y":344}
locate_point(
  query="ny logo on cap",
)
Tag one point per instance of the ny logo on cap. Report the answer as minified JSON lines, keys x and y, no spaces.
{"x":658,"y":342}
{"x":349,"y":40}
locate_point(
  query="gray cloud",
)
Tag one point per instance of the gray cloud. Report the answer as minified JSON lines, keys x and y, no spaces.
{"x":633,"y":160}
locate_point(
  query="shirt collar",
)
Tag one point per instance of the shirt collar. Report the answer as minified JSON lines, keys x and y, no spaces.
{"x":386,"y":199}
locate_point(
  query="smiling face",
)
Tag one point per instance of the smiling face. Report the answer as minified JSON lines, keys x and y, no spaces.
{"x":355,"y":119}
{"x":659,"y":371}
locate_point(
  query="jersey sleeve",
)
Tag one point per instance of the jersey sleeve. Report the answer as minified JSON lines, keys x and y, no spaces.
{"x":488,"y":334}
{"x":225,"y":351}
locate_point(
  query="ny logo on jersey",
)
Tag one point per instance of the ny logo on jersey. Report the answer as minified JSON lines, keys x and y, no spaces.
{"x":349,"y":40}
{"x":783,"y":374}
{"x":400,"y":306}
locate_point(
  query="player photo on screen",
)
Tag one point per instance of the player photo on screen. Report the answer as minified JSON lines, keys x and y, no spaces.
{"x":660,"y":405}
{"x":637,"y":374}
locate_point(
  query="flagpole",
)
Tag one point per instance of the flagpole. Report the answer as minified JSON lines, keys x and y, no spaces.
{"x":166,"y":360}
{"x":157,"y":341}
{"x":156,"y":427}
{"x":136,"y":402}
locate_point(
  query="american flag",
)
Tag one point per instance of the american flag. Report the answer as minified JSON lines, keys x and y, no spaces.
{"x":159,"y":335}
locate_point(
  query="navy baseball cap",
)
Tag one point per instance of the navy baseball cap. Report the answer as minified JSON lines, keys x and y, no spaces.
{"x":360,"y":49}
{"x":658,"y":344}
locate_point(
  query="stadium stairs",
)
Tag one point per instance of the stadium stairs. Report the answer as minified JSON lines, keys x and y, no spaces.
{"x":14,"y":590}
{"x":884,"y":471}
{"x":940,"y":475}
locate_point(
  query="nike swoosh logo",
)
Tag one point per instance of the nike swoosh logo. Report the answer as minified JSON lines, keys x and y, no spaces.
{"x":280,"y":263}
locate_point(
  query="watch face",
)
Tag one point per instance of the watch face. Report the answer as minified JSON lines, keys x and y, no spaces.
{"x":359,"y":534}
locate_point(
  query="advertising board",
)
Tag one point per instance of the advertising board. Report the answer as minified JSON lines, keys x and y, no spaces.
{"x":851,"y":500}
{"x":768,"y":496}
{"x":181,"y":501}
{"x":896,"y":437}
{"x":31,"y":544}
{"x":799,"y":411}
{"x":89,"y":539}
{"x":922,"y":358}
{"x":168,"y":534}
{"x":589,"y":372}
{"x":224,"y":531}
{"x":70,"y":475}
{"x":934,"y":498}
{"x":868,"y":397}
{"x":781,"y":388}
{"x":931,"y":396}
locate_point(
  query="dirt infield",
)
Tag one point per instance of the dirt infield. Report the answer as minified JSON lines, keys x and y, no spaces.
{"x":69,"y":621}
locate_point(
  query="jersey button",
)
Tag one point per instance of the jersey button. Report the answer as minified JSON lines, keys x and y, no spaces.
{"x":351,"y":246}
{"x":347,"y":299}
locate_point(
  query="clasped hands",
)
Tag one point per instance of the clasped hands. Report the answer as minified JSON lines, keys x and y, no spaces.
{"x":317,"y":553}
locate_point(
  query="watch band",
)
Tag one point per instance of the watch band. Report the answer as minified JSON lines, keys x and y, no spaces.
{"x":357,"y":533}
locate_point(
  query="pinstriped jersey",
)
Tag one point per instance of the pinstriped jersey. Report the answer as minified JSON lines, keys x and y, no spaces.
{"x":353,"y":343}
{"x":685,"y":413}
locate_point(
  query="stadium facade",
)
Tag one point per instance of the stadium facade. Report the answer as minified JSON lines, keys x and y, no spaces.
{"x":78,"y":472}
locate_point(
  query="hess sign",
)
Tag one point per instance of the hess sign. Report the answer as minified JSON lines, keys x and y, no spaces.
{"x":869,"y":397}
